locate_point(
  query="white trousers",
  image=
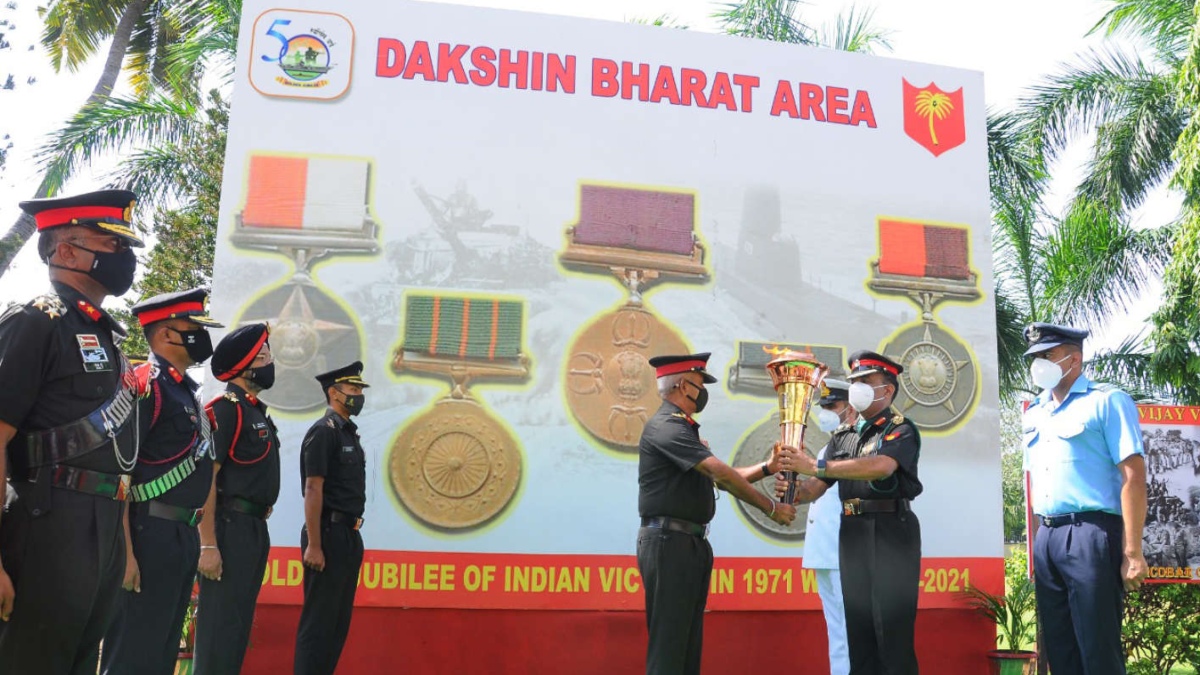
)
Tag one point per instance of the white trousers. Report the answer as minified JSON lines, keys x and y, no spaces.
{"x":829,"y":587}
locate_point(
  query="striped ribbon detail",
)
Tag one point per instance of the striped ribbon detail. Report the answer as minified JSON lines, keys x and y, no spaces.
{"x":919,"y":250}
{"x":475,"y":328}
{"x":643,"y":220}
{"x":163,"y":484}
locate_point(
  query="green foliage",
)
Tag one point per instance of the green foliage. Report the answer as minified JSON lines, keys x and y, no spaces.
{"x":1160,"y":629}
{"x":774,"y":20}
{"x":1015,"y":612}
{"x":1012,"y":474}
{"x":1176,"y":334}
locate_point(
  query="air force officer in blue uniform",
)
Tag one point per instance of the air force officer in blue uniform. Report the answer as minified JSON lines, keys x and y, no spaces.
{"x":1083,"y":448}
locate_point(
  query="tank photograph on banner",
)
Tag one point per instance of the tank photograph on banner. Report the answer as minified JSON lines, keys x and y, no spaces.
{"x":457,"y":465}
{"x":307,"y":208}
{"x":461,"y":248}
{"x":643,"y":236}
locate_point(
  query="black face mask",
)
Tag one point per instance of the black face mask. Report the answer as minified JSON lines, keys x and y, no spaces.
{"x":700,"y":399}
{"x":263,"y":377}
{"x":197,"y":342}
{"x":354,"y":402}
{"x":114,"y":271}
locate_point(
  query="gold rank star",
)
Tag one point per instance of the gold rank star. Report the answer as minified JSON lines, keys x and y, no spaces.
{"x":50,"y":305}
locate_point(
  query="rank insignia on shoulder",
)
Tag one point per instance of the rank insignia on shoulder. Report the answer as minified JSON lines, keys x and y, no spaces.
{"x":231,"y":396}
{"x":892,"y":436}
{"x":330,"y":423}
{"x":897,"y":418}
{"x":50,"y":304}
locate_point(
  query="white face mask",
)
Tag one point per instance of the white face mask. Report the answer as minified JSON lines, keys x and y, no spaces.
{"x":862,"y":395}
{"x":828,"y":420}
{"x":1046,"y":373}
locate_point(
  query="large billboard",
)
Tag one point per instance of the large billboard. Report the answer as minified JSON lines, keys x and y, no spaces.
{"x":504,"y":215}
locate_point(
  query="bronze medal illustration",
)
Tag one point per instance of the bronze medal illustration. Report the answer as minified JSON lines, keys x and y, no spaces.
{"x":642,"y":237}
{"x":457,"y":466}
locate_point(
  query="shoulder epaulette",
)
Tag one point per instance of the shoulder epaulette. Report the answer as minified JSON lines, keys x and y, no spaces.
{"x":898,"y":419}
{"x":230,"y":396}
{"x":50,"y":304}
{"x":330,"y":423}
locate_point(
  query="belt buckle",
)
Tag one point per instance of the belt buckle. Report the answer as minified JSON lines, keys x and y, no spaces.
{"x":850,"y":507}
{"x":358,"y":523}
{"x":122,"y":492}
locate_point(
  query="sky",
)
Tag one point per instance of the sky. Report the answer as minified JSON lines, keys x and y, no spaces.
{"x":1014,"y":43}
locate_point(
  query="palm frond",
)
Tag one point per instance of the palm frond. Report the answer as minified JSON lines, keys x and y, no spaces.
{"x":209,"y":42}
{"x":160,"y":175}
{"x":1165,"y":25}
{"x":664,"y":20}
{"x":1010,"y":344}
{"x":73,"y":30}
{"x":1132,"y":153}
{"x":774,"y":20}
{"x":1097,"y":265}
{"x":853,"y":31}
{"x":1080,"y":98}
{"x":114,"y":124}
{"x":1128,"y":368}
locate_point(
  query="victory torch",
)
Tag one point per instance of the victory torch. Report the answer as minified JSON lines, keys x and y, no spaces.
{"x":797,"y":378}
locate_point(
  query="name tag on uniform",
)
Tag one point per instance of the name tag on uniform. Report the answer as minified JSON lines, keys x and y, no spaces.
{"x":95,"y":356}
{"x":347,"y":448}
{"x":261,"y":428}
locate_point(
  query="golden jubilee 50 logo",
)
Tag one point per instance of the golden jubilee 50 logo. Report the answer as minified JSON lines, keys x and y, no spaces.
{"x":298,"y":54}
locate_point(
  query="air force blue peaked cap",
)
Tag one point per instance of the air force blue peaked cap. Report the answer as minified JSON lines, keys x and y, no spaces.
{"x":1045,"y":336}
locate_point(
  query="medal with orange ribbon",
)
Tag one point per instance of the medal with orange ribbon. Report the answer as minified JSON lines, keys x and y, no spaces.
{"x":642,"y":237}
{"x":929,"y":264}
{"x":306,"y":209}
{"x":457,"y":466}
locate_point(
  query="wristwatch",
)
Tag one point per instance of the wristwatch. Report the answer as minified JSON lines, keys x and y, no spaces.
{"x":766,"y":471}
{"x":821,"y":468}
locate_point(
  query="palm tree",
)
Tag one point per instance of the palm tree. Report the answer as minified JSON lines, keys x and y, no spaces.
{"x":780,"y":21}
{"x":145,"y":31}
{"x":1089,"y":264}
{"x":1176,"y":334}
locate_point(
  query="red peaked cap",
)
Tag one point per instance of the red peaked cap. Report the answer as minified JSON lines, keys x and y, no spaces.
{"x":863,"y":363}
{"x":685,"y":363}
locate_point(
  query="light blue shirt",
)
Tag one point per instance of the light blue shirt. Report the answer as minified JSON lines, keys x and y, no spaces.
{"x":1072,"y":450}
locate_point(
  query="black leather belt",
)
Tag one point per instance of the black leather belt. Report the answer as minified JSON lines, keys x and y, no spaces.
{"x":110,"y":485}
{"x":352,"y":522}
{"x":676,"y":525}
{"x":1081,"y":517}
{"x":857,"y":507}
{"x":179,"y":514}
{"x":245,"y":506}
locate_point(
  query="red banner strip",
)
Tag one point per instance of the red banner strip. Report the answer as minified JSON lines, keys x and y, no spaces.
{"x":594,"y":582}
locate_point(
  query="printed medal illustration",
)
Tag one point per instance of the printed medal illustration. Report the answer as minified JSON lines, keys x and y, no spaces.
{"x":308,"y":209}
{"x":749,"y":376}
{"x":457,"y":465}
{"x":641,"y":236}
{"x":929,"y":264}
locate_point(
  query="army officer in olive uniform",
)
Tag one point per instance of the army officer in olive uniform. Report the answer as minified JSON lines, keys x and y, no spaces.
{"x":880,"y":536}
{"x":676,"y":500}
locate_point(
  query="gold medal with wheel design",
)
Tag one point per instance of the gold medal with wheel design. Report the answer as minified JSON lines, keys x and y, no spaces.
{"x":939,"y":385}
{"x":455,"y":466}
{"x":611,"y":388}
{"x":754,"y":449}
